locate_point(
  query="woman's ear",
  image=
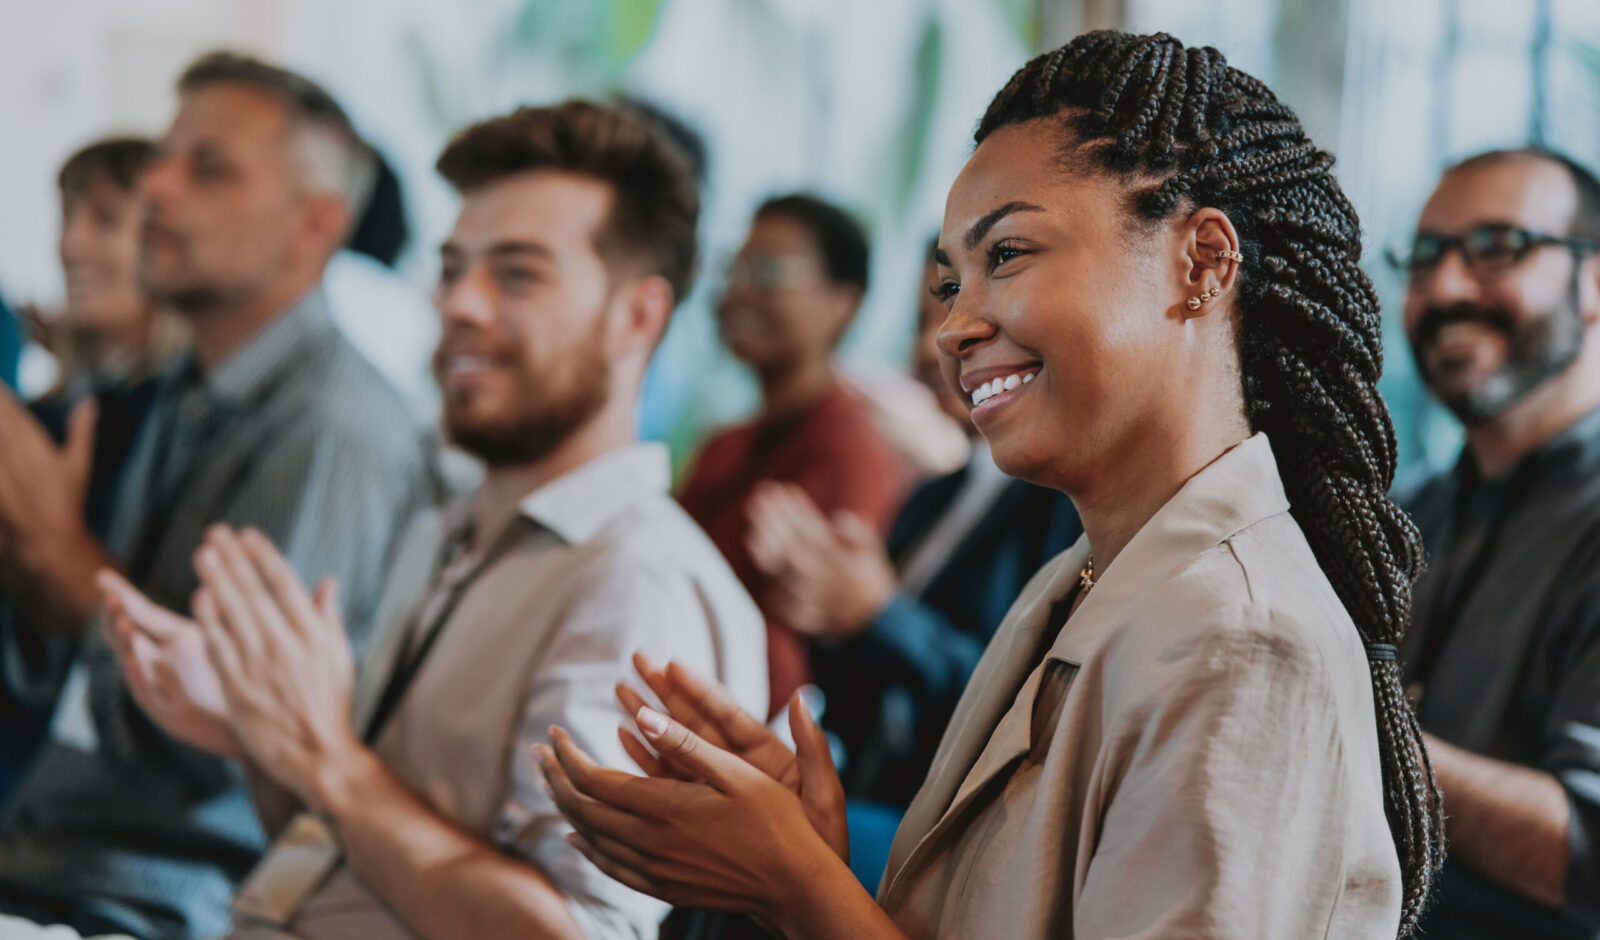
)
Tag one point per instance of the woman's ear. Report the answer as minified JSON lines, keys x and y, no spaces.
{"x":1211,"y":260}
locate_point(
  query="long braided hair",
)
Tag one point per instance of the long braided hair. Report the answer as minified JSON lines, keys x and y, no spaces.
{"x":1188,"y":130}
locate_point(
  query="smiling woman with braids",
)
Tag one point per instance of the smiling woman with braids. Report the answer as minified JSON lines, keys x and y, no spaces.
{"x":1191,"y":723}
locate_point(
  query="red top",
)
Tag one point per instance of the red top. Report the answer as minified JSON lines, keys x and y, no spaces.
{"x":833,"y":452}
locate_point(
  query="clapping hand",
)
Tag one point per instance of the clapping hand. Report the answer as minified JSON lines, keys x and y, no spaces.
{"x":165,"y":668}
{"x":729,"y":818}
{"x":48,"y":558}
{"x":284,"y":660}
{"x":833,"y":575}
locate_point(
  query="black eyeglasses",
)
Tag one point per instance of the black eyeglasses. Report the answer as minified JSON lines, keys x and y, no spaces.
{"x":1488,"y":249}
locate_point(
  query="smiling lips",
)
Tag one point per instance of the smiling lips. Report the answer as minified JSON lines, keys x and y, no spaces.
{"x":1004,"y":383}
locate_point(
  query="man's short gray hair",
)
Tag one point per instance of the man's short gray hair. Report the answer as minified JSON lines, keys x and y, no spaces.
{"x":332,"y":155}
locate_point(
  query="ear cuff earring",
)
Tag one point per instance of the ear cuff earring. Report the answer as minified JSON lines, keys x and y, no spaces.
{"x":1195,"y":302}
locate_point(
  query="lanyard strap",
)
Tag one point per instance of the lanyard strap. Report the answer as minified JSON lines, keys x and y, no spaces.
{"x":407,"y":666}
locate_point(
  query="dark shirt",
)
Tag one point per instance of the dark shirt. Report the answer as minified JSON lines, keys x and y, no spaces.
{"x":117,"y":825}
{"x":892,"y":689}
{"x":833,"y":452}
{"x":1506,"y":642}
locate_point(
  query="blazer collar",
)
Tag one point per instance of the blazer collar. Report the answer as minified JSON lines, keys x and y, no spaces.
{"x":987,"y":735}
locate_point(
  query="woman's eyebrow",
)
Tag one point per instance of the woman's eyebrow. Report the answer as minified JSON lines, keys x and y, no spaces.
{"x":981,"y":227}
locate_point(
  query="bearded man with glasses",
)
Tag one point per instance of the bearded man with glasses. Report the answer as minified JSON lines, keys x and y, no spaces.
{"x":1503,"y":660}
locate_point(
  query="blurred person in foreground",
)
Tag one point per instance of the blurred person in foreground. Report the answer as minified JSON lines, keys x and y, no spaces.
{"x":898,"y":626}
{"x":1503,"y":660}
{"x":411,"y":780}
{"x":270,"y":420}
{"x":792,"y":291}
{"x":110,"y":341}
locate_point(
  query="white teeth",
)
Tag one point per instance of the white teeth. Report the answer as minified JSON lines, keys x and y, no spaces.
{"x":994,"y":387}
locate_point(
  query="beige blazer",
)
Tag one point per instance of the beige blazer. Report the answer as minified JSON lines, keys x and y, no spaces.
{"x":1194,"y":756}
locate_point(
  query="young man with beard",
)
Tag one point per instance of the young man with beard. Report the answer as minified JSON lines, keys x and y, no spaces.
{"x":1503,"y":659}
{"x":273,"y":420}
{"x":423,"y":814}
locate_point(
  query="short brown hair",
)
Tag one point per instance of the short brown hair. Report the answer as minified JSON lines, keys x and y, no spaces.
{"x":310,"y":109}
{"x":656,"y":204}
{"x":118,"y":160}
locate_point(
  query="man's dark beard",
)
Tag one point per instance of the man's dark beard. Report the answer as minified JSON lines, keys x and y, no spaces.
{"x":1535,"y":353}
{"x":548,"y":418}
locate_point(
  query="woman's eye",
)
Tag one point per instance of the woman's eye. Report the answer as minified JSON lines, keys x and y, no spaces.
{"x":944,"y":290}
{"x":1003,"y":252}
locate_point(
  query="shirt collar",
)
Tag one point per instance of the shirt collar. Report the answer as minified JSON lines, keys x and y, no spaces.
{"x":273,"y":351}
{"x":578,"y":504}
{"x":1572,"y":454}
{"x":1232,"y":493}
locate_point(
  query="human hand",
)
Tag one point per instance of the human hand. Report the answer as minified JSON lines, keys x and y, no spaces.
{"x":730,"y":837}
{"x":50,"y":559}
{"x":165,"y":668}
{"x":708,"y":710}
{"x":284,"y":660}
{"x":834,"y":575}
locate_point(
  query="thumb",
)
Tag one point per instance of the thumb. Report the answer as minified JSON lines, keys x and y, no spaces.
{"x":692,"y":754}
{"x":811,"y":750}
{"x":855,"y":531}
{"x":326,"y":600}
{"x":821,"y":793}
{"x":79,"y":448}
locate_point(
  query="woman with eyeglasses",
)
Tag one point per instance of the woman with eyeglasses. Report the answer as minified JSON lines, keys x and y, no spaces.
{"x":1191,"y":724}
{"x":1503,"y":316}
{"x":792,"y":291}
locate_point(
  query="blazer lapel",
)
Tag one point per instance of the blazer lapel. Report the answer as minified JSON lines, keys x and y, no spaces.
{"x":925,"y":507}
{"x":1238,"y":489}
{"x":1000,"y":516}
{"x":975,"y":748}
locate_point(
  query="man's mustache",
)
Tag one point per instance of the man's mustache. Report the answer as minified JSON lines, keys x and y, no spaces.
{"x":1435,"y":319}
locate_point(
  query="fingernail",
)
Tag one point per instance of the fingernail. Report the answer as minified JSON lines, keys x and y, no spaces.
{"x":651,"y":721}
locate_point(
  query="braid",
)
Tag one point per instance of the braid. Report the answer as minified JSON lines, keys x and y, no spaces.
{"x":1310,"y":338}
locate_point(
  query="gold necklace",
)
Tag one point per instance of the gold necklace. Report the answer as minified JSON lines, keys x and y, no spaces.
{"x":1086,"y":577}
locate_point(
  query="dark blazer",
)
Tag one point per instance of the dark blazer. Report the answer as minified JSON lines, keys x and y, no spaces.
{"x":891,"y":690}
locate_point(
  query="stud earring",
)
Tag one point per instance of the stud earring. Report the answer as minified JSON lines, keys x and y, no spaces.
{"x":1211,"y":294}
{"x":1231,"y":255}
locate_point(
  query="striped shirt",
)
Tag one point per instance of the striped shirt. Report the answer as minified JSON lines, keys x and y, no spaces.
{"x":296,"y":435}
